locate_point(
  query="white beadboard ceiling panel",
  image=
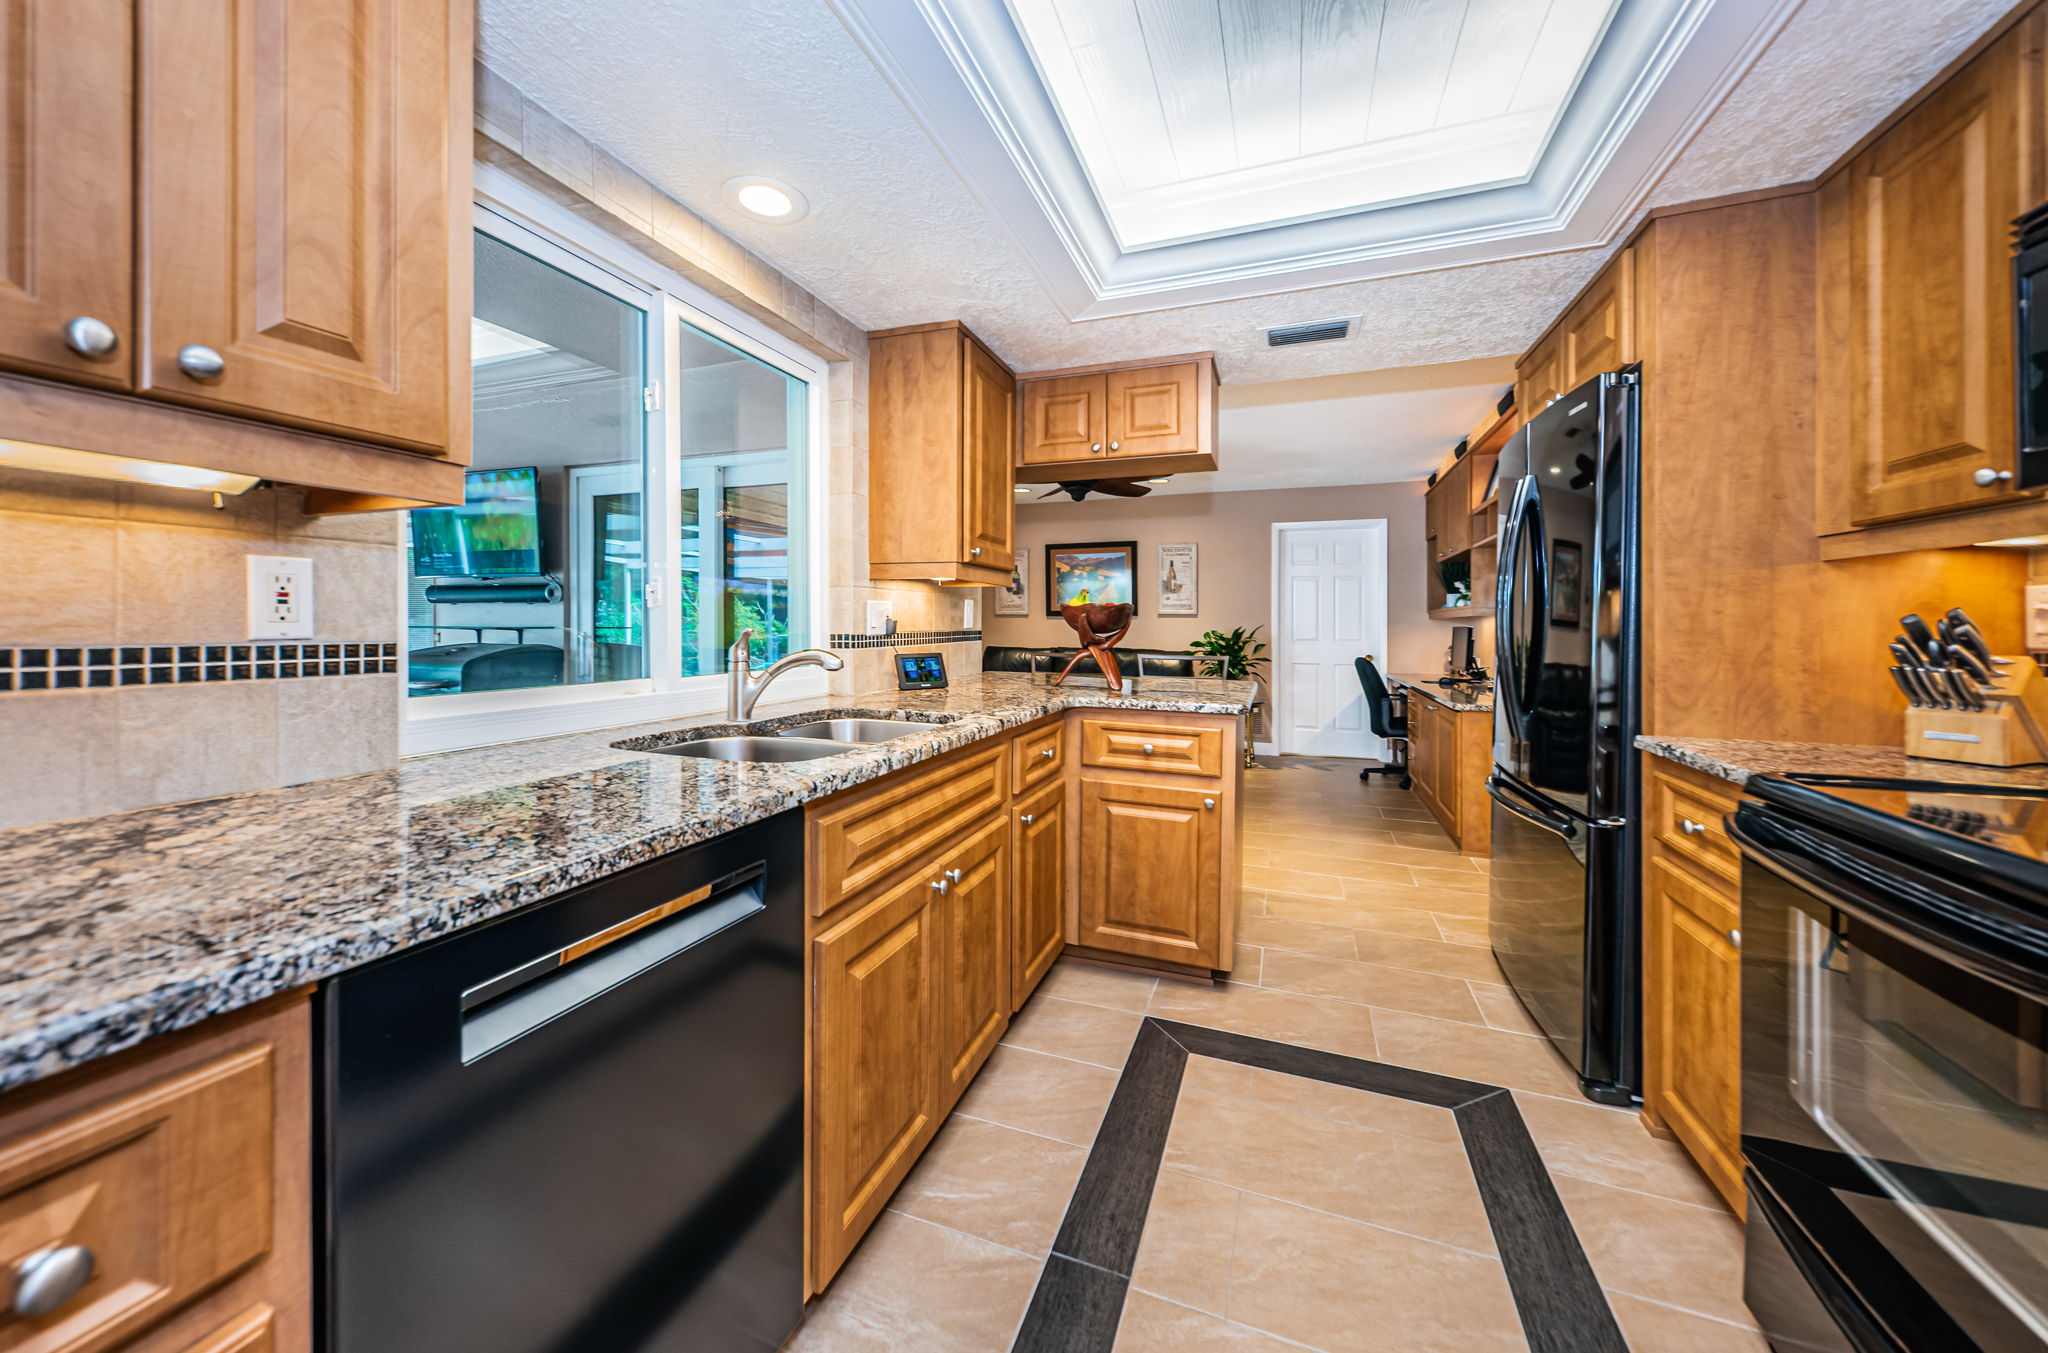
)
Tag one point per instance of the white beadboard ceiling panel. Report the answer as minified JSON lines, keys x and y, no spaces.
{"x":1199,"y":118}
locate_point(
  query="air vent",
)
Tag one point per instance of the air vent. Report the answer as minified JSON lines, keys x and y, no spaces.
{"x":1318,"y":331}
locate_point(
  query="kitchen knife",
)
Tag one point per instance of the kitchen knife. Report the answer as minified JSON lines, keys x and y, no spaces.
{"x":1905,"y":654}
{"x":1920,"y":637}
{"x":1965,"y":694}
{"x":1924,"y":680}
{"x":1967,"y":661}
{"x":1969,"y":636}
{"x":1906,"y":685}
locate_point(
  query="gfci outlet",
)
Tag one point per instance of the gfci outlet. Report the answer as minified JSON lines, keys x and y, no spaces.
{"x":280,"y":597}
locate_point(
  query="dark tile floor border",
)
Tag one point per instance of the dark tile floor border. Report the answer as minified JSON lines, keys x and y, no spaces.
{"x":1079,"y":1300}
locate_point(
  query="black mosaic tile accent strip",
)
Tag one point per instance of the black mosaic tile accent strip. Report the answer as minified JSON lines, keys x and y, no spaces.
{"x":1079,"y":1301}
{"x":106,"y":666}
{"x":902,"y":638}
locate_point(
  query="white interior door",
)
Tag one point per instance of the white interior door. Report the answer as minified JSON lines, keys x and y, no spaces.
{"x":1330,"y":608}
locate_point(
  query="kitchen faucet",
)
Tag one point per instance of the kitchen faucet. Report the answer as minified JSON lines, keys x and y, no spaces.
{"x":743,"y":688}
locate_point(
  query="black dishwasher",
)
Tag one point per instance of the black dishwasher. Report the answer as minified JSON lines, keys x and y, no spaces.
{"x":577,"y":1128}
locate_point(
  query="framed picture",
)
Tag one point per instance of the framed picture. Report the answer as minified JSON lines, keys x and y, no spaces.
{"x":1014,"y":598}
{"x":1567,"y":583}
{"x":920,"y":671}
{"x":1176,"y":595}
{"x":1103,"y":572}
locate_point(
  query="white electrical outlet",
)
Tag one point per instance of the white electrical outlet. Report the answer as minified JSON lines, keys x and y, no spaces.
{"x":280,"y":597}
{"x":2037,"y":617}
{"x":878,"y":617}
{"x":967,"y":613}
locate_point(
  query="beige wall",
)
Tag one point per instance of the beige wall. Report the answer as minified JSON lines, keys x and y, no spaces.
{"x":1234,"y":531}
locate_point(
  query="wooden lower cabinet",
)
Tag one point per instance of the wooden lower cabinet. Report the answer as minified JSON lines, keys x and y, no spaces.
{"x":1038,"y":897}
{"x":1151,"y":871}
{"x":1450,"y":753}
{"x":974,"y":925}
{"x":874,"y":1087}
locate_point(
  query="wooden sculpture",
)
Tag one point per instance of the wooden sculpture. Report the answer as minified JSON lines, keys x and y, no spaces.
{"x":1099,"y":624}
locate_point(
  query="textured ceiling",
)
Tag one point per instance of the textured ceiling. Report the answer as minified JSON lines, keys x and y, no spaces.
{"x":693,"y":92}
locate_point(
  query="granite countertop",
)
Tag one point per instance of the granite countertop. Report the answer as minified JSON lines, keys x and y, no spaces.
{"x":120,"y":928}
{"x":1450,"y":697}
{"x":1735,"y":760}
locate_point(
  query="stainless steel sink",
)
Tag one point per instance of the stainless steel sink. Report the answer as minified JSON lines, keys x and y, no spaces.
{"x":756,"y":749}
{"x":857,"y":730}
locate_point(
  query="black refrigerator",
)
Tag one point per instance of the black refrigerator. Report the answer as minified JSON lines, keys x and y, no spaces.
{"x":1563,"y":885}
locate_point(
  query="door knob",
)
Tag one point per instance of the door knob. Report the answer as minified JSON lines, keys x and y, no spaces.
{"x":200,"y":362}
{"x":1987,"y":476}
{"x":91,"y":338}
{"x":1691,"y":828}
{"x":48,"y":1278}
{"x":1028,"y":818}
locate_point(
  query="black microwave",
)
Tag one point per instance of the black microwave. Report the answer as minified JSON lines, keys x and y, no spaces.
{"x":2030,"y":374}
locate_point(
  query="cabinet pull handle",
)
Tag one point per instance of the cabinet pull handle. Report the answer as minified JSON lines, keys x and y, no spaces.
{"x":1735,"y":938}
{"x":1691,"y":828}
{"x":1987,"y":476}
{"x":953,"y":875}
{"x":50,"y":1277}
{"x":200,"y":362}
{"x":1112,"y":446}
{"x":1148,"y":749}
{"x":1050,"y":752}
{"x":91,"y":338}
{"x":1208,"y":803}
{"x":1028,"y":818}
{"x":1095,"y":446}
{"x":941,"y":886}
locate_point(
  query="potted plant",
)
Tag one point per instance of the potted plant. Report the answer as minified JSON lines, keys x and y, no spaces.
{"x":1455,"y":577}
{"x":1237,"y":653}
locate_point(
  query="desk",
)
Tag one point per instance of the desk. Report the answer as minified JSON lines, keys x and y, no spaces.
{"x":1450,"y":754}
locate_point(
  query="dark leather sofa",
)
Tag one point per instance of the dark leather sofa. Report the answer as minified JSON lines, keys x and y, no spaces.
{"x":1158,"y":661}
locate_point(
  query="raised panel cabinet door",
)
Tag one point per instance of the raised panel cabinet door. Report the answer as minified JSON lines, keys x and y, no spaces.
{"x":1454,"y":526}
{"x":1537,"y":378}
{"x":988,"y":428}
{"x":1065,"y":418}
{"x":874,"y":1082}
{"x":1151,"y":871}
{"x":1918,"y":306}
{"x":1038,"y":899}
{"x":67,"y":189}
{"x":298,"y":200}
{"x":1692,"y":1036}
{"x":1599,"y":331}
{"x":974,"y":956}
{"x":1153,"y":410}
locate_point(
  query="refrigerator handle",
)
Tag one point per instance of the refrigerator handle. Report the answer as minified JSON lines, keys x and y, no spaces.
{"x":1550,"y":822}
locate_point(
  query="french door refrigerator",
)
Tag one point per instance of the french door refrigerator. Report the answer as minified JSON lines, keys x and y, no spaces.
{"x":1563,"y":884}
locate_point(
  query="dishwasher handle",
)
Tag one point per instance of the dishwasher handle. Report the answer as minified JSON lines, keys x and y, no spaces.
{"x":515,"y":1003}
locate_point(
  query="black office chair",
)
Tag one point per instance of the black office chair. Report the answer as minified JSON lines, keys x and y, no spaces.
{"x":1388,"y":714}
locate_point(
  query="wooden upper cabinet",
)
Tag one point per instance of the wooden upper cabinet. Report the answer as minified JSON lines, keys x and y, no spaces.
{"x":300,"y":212}
{"x":1151,"y":871}
{"x":1155,"y":418}
{"x":66,"y":205}
{"x":1598,"y":333}
{"x":1916,"y":345}
{"x":942,"y":427}
{"x":1539,"y":376}
{"x":1065,"y":418}
{"x":1449,"y":510}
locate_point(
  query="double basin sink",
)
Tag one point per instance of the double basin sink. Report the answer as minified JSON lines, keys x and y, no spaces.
{"x":801,"y":742}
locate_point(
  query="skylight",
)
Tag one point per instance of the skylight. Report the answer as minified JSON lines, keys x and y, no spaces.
{"x":1198,"y":118}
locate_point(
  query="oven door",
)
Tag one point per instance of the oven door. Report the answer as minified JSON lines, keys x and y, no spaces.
{"x":1895,"y":1099}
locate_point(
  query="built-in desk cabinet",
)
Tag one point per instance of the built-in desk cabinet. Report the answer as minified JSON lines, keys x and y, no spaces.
{"x":1449,"y":755}
{"x":245,"y":225}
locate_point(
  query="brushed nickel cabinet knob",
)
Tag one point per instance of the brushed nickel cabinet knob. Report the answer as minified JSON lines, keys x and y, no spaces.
{"x":200,"y":362}
{"x":91,"y":338}
{"x":1028,"y":818}
{"x":1987,"y":476}
{"x":48,"y":1278}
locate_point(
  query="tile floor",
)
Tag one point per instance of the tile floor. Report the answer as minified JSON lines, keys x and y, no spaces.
{"x":1291,"y":1213}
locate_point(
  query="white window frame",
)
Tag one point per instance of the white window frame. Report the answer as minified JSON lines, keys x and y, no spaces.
{"x":526,"y":220}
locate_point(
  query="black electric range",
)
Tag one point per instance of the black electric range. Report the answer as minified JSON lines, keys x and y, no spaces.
{"x":1895,"y":1063}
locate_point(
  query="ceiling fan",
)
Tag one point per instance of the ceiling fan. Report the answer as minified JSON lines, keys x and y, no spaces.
{"x":1077,"y":489}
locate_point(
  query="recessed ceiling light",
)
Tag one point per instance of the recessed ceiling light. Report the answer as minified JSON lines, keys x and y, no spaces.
{"x":766,"y":199}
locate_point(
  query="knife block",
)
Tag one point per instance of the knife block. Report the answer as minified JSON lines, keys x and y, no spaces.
{"x":2012,"y":732}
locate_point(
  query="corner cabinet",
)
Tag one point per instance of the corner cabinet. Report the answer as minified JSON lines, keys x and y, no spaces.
{"x":941,"y":425}
{"x":254,"y":208}
{"x":1118,"y":421}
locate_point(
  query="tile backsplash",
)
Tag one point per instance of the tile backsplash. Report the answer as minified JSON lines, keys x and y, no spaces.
{"x":127,"y":676}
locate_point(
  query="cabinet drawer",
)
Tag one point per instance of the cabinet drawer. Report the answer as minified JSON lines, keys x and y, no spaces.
{"x":168,"y":1185}
{"x":1166,"y":748}
{"x":1037,"y":756}
{"x":1686,"y":815}
{"x":859,"y":839}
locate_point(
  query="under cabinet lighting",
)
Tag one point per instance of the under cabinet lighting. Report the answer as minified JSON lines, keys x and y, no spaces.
{"x":766,"y":199}
{"x":100,"y":465}
{"x":2014,"y":543}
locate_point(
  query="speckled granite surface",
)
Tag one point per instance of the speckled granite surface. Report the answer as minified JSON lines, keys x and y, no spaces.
{"x":1736,"y":760}
{"x":1450,"y":697}
{"x":119,"y":928}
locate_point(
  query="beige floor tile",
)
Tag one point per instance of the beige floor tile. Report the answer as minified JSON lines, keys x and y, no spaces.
{"x":1419,"y":993}
{"x":1416,"y":814}
{"x":1006,"y":1187}
{"x":1294,"y":881}
{"x":1660,"y":1250}
{"x":1092,"y":984}
{"x":915,"y":1285}
{"x":1449,"y":960}
{"x":1247,"y":964}
{"x":1333,"y":1026}
{"x":1252,"y":857}
{"x":1491,"y":1056}
{"x":1441,"y":1196}
{"x":1301,"y":935}
{"x":1460,"y":880}
{"x":1418,"y":897}
{"x":1190,"y":1230}
{"x":1650,"y":1328}
{"x":1345,"y":1287}
{"x":1611,"y":1146}
{"x":1154,"y":1326}
{"x":1086,"y":1033}
{"x":1366,"y":870}
{"x":1051,"y":1096}
{"x":1295,"y":1157}
{"x":1361,"y":1108}
{"x":1404,"y":850}
{"x":1502,"y":1009}
{"x":1463,"y":930}
{"x":1292,"y":837}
